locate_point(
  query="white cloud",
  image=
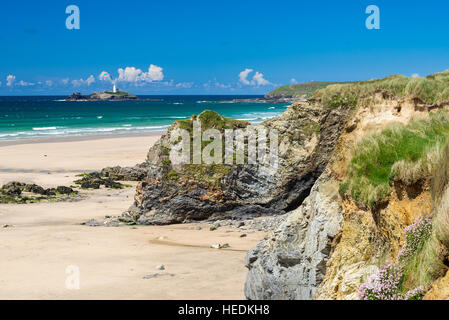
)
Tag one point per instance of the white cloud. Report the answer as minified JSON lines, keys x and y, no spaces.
{"x":293,"y":81}
{"x":81,"y":82}
{"x":11,"y":82}
{"x":65,"y":81}
{"x":129,"y":74}
{"x":48,"y":83}
{"x":132,"y":74}
{"x":243,"y":76}
{"x":154,"y":73}
{"x":257,"y":80}
{"x":10,"y":79}
{"x":415,"y":75}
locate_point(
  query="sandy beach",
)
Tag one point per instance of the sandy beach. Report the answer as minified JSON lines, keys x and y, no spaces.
{"x":45,"y":238}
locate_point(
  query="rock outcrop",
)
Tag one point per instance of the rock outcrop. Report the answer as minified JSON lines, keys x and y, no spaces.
{"x":136,"y":173}
{"x":19,"y":192}
{"x":307,"y":134}
{"x":291,"y":262}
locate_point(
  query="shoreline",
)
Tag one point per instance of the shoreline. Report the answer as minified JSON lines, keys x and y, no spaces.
{"x":87,"y":137}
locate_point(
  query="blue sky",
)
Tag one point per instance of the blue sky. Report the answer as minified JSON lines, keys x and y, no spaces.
{"x":201,"y":47}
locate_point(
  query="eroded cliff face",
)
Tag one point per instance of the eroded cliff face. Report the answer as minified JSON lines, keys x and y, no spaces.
{"x":329,"y":245}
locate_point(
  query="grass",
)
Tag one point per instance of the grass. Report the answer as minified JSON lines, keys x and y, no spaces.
{"x":208,"y":174}
{"x":211,"y":119}
{"x":430,"y":262}
{"x":406,"y":152}
{"x":433,"y":89}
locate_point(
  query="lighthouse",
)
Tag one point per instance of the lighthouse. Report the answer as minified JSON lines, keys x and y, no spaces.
{"x":114,"y":89}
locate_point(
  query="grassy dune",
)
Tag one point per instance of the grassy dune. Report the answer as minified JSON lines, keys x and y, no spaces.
{"x":402,"y":152}
{"x":433,"y":89}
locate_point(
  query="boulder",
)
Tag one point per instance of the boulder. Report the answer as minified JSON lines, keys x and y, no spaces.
{"x":13,"y":188}
{"x":136,"y":173}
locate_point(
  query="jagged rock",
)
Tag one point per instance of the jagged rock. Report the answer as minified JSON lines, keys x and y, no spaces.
{"x":136,"y":173}
{"x":77,"y":96}
{"x":94,"y":180}
{"x":64,"y":190}
{"x":90,"y":185}
{"x":34,"y":188}
{"x":173,"y":194}
{"x":13,"y":188}
{"x":13,"y":192}
{"x":291,"y":262}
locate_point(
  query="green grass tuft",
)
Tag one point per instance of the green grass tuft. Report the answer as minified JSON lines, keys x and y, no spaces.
{"x":400,"y":151}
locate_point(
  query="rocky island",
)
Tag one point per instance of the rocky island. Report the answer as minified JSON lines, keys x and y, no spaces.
{"x":113,"y":95}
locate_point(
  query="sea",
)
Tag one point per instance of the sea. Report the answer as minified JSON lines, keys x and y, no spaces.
{"x":44,"y":117}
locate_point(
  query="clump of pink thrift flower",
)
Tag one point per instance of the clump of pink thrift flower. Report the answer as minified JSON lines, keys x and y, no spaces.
{"x":415,"y":235}
{"x":386,"y":283}
{"x":382,"y":285}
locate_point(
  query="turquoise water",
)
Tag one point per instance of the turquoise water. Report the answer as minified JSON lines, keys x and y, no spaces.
{"x":50,"y":117}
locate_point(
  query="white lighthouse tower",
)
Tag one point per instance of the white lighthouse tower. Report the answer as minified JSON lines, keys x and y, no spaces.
{"x":114,"y":89}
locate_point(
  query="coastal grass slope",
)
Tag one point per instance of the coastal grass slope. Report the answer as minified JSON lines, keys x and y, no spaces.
{"x":301,"y":90}
{"x":402,"y":152}
{"x":431,"y":90}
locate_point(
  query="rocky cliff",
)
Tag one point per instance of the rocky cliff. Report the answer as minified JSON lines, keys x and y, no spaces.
{"x":307,"y":134}
{"x":380,"y":179}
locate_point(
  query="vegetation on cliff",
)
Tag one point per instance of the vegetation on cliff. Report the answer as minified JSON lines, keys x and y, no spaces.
{"x":392,"y":281}
{"x":431,"y":260}
{"x":211,"y":120}
{"x":299,"y":90}
{"x":424,"y":257}
{"x":209,"y":174}
{"x":432,"y":90}
{"x":402,"y":152}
